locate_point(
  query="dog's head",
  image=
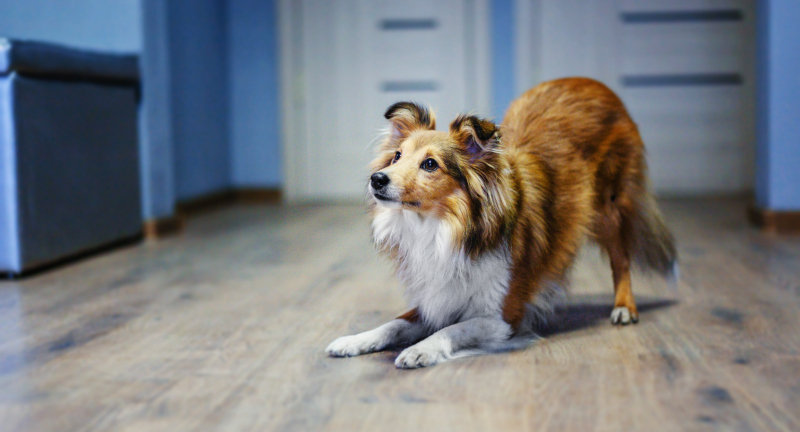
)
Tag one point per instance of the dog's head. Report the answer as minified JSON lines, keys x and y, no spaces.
{"x":428,"y":171}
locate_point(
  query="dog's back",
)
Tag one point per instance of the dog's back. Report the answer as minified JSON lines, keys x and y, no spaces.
{"x":586,"y":164}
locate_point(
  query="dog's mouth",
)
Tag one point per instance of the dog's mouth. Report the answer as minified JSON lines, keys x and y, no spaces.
{"x":381,"y":197}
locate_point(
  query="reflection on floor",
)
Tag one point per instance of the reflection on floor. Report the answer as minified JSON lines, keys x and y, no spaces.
{"x":224,"y":328}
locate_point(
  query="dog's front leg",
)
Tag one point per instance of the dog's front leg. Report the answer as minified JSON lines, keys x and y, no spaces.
{"x":457,"y":340}
{"x":400,"y":331}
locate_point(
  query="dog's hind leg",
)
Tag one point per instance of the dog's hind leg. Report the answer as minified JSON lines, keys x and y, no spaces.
{"x":614,"y":234}
{"x":624,"y":311}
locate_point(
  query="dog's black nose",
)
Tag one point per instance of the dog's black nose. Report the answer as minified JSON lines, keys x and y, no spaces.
{"x":379,"y":180}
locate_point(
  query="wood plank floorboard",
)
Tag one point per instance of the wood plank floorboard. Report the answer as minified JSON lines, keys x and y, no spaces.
{"x":224,"y":329}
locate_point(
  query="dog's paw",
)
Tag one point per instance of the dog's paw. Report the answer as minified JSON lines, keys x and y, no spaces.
{"x":622,"y":315}
{"x":416,"y":357}
{"x":350,"y":346}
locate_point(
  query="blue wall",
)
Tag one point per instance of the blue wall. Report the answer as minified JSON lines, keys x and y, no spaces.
{"x":211,"y":72}
{"x":778,"y":151}
{"x":199,"y":87}
{"x":219,"y":108}
{"x":502,"y":34}
{"x":210,"y":117}
{"x":254,"y":96}
{"x":155,"y":115}
{"x":94,"y":24}
{"x":211,"y":112}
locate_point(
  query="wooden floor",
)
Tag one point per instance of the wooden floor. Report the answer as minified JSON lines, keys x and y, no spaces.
{"x":224,"y":329}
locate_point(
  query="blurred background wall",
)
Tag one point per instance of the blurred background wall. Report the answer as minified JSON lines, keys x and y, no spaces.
{"x":778,"y":169}
{"x":210,"y":119}
{"x":198,"y":56}
{"x":215,"y":114}
{"x":221,"y":60}
{"x":255,"y":119}
{"x":114,"y":25}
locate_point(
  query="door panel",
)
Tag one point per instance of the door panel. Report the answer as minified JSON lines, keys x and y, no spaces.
{"x":360,"y":57}
{"x":675,"y":48}
{"x":684,"y":69}
{"x":687,"y":79}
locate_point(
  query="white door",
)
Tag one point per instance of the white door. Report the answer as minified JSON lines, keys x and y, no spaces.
{"x":346,"y":62}
{"x":684,"y":69}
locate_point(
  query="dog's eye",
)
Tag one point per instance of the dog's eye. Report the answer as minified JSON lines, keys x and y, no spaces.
{"x":429,"y":165}
{"x":396,"y":157}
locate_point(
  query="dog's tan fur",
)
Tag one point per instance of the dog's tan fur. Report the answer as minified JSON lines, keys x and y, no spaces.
{"x":566,"y":163}
{"x":480,"y":219}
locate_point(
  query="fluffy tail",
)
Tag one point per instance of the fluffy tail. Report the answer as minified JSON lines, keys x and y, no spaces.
{"x":653,"y":248}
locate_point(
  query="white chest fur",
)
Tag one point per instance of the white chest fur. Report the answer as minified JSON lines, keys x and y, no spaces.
{"x":445,"y":286}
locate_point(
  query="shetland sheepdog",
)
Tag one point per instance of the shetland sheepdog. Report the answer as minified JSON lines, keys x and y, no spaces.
{"x":483,"y":220}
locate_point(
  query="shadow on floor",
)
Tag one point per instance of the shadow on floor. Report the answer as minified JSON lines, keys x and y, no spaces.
{"x":578,"y":313}
{"x":590,"y":310}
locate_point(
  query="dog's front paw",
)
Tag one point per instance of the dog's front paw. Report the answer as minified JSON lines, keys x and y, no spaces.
{"x":416,"y":357}
{"x":349,"y":346}
{"x":622,"y":315}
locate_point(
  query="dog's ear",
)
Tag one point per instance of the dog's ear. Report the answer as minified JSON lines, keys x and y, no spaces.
{"x":478,"y":137}
{"x":407,"y":117}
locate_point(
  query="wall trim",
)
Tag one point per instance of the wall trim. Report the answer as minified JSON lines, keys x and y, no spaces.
{"x":772,"y":221}
{"x":227,"y":198}
{"x":160,"y":228}
{"x":163,"y":227}
{"x":257,"y":195}
{"x":205,"y":203}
